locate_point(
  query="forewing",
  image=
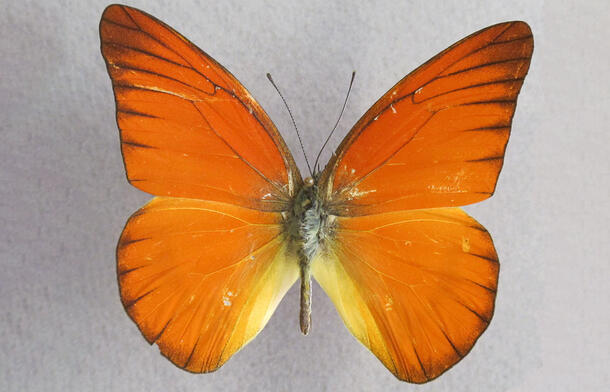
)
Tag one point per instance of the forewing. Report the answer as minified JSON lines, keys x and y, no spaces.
{"x":437,"y":138}
{"x":200,"y":278}
{"x":415,"y":287}
{"x":188,"y":127}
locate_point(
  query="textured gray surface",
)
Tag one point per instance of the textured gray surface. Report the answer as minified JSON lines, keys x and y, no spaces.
{"x":64,"y":198}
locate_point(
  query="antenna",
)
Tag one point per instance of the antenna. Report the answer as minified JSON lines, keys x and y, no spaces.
{"x":315,"y":165}
{"x":293,"y":122}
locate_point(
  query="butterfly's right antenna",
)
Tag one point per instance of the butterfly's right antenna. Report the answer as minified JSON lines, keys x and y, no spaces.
{"x":315,"y":165}
{"x":293,"y":122}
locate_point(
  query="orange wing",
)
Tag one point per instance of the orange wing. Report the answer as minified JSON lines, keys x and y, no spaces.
{"x":202,"y":278}
{"x":413,"y":282}
{"x":415,"y":287}
{"x":188,"y":127}
{"x":437,"y":138}
{"x":199,"y":273}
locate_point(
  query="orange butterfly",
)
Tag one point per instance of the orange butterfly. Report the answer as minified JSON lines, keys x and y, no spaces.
{"x":203,"y":265}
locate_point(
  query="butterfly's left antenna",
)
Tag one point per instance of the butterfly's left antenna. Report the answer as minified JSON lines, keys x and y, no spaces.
{"x":293,"y":122}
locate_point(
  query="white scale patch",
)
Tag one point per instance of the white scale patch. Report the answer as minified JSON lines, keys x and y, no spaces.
{"x":356,"y":193}
{"x":226,"y":299}
{"x":453,"y":187}
{"x":388,"y":303}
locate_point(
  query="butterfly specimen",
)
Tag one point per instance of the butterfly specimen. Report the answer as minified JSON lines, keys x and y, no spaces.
{"x":203,"y":265}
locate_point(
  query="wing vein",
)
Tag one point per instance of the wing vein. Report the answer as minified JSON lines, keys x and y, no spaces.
{"x":276,"y":186}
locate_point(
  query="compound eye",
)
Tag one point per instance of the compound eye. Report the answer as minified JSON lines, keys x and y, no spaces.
{"x":309,"y":181}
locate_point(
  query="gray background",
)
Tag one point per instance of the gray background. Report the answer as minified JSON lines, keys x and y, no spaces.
{"x":64,"y":197}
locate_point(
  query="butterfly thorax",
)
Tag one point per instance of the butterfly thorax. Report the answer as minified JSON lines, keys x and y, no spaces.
{"x":307,"y":225}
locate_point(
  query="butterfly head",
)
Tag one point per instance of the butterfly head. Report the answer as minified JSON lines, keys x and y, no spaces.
{"x":309,"y":182}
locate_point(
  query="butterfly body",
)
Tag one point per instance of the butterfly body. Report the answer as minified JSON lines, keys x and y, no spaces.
{"x":309,"y":226}
{"x":202,"y":267}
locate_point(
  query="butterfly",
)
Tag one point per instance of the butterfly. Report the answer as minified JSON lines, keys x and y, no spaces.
{"x":233,"y":225}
